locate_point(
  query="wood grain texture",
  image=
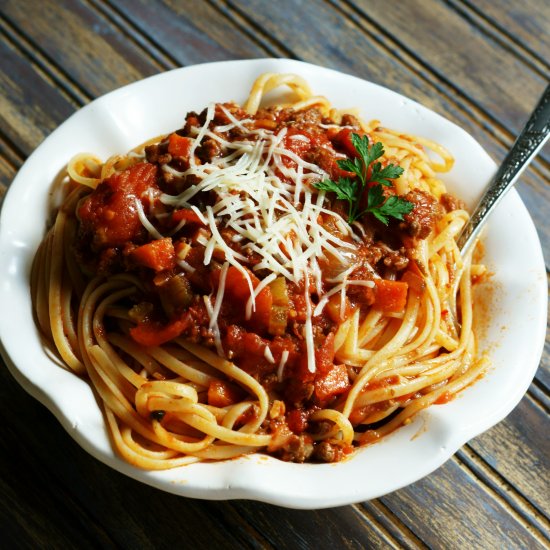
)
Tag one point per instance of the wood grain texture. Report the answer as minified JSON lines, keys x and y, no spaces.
{"x":518,"y":451}
{"x":342,"y":527}
{"x":495,"y":492}
{"x":468,"y":520}
{"x":525,"y":23}
{"x":501,"y":35}
{"x":7,"y":173}
{"x":30,"y":108}
{"x":75,"y":37}
{"x":186,"y":32}
{"x":458,"y":52}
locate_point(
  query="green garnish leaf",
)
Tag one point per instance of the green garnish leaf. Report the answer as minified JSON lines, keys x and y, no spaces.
{"x":383,"y":176}
{"x":351,"y":190}
{"x":345,"y":188}
{"x":392,"y":207}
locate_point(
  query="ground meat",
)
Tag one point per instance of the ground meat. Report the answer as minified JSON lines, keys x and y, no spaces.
{"x":451,"y":203}
{"x":298,"y":448}
{"x":192,"y":121}
{"x":379,"y":255}
{"x":350,"y":120}
{"x":396,"y":259}
{"x":308,"y":119}
{"x":327,"y":452}
{"x":220,"y":116}
{"x":373,"y":254}
{"x":209,"y":149}
{"x":158,"y":153}
{"x":421,"y":221}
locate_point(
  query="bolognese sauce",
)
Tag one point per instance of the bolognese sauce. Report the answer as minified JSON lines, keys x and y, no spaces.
{"x":264,"y":235}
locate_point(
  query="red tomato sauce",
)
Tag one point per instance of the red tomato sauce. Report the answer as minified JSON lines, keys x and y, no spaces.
{"x":269,"y":344}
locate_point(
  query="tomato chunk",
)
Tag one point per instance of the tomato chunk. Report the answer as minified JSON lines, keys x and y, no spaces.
{"x":223,"y":394}
{"x":415,"y":281}
{"x":109,"y":214}
{"x":334,"y":382}
{"x":237,"y":289}
{"x":343,"y":139}
{"x":179,"y":146}
{"x":391,"y":295}
{"x":158,"y":255}
{"x":297,"y":420}
{"x":152,"y":333}
{"x":190,"y":216}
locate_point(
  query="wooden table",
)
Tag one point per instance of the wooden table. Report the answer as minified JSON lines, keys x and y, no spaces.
{"x":482,"y":64}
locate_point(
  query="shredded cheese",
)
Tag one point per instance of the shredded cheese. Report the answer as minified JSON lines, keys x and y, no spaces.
{"x":268,"y":355}
{"x":145,"y":222}
{"x":251,"y":303}
{"x":308,"y":329}
{"x":282,"y":363}
{"x":264,"y":198}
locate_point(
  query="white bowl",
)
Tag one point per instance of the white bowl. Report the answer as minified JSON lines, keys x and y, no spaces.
{"x":126,"y":117}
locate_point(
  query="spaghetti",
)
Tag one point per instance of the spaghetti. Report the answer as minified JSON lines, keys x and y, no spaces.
{"x":222,"y":300}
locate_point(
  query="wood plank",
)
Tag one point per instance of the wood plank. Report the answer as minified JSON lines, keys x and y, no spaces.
{"x":501,"y":35}
{"x":526,"y":22}
{"x":459,"y":52}
{"x":30,"y":508}
{"x":7,"y":173}
{"x":470,"y":518}
{"x":30,"y":108}
{"x":543,"y":374}
{"x":514,"y":448}
{"x":33,"y":513}
{"x":84,"y":44}
{"x":188,"y":32}
{"x":341,"y":527}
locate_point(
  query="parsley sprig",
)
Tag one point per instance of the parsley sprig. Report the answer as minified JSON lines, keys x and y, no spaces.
{"x":351,"y":189}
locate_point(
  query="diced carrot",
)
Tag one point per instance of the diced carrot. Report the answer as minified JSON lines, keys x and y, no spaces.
{"x":297,"y":420}
{"x":237,"y":288}
{"x":335,"y":310}
{"x":343,"y":139}
{"x":152,"y":333}
{"x":391,"y":295}
{"x":236,"y":283}
{"x":179,"y":146}
{"x":414,"y":280}
{"x":324,"y":356}
{"x":158,"y":255}
{"x":264,"y":303}
{"x":334,"y":382}
{"x":190,"y":216}
{"x":223,"y":394}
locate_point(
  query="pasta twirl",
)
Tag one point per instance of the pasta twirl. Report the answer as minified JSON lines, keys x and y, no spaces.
{"x":281,"y":279}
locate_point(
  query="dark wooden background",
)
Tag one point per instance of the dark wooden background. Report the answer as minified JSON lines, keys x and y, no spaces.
{"x":481,"y":63}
